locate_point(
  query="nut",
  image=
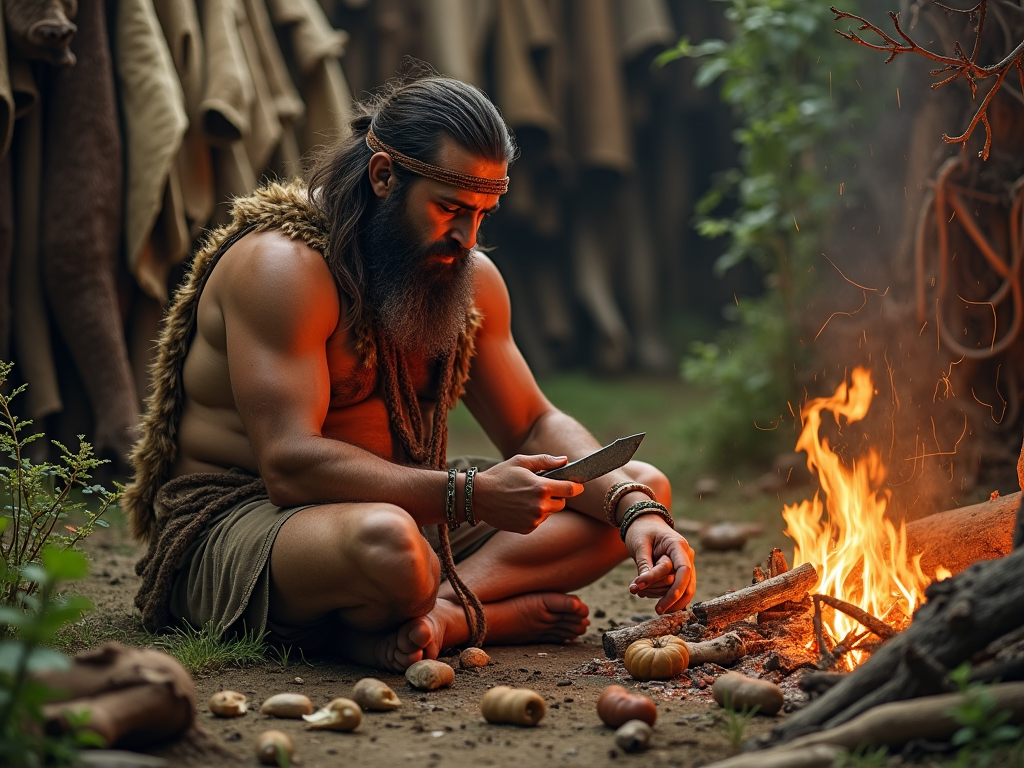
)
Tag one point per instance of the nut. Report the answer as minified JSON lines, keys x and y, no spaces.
{"x":338,"y":715}
{"x":473,"y":657}
{"x":429,"y":675}
{"x":293,"y":705}
{"x":227,"y":704}
{"x":375,"y":695}
{"x":270,"y":745}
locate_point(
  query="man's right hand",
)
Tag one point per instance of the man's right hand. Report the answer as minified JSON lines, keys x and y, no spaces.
{"x":511,"y":496}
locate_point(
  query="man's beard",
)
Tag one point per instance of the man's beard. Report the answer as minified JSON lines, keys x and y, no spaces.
{"x":419,"y":302}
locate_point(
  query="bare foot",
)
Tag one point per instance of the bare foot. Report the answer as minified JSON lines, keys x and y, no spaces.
{"x":380,"y":650}
{"x":537,"y":617}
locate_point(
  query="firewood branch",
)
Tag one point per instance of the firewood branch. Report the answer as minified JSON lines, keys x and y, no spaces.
{"x":960,"y":65}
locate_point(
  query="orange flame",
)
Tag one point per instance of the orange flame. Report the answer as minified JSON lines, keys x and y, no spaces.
{"x":859,"y":555}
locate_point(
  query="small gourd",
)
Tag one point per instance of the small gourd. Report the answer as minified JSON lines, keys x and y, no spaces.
{"x":616,"y":706}
{"x":518,"y":706}
{"x":658,"y":658}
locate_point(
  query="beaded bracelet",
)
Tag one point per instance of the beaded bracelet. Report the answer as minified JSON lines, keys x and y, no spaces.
{"x":468,"y":492}
{"x":615,"y":494}
{"x":449,"y":502}
{"x":644,"y":508}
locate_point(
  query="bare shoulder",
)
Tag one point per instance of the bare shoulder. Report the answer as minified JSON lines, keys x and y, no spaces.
{"x":490,"y":293}
{"x":275,"y":282}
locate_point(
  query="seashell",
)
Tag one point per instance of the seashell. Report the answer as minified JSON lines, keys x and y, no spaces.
{"x":473,"y":657}
{"x":518,"y":706}
{"x":293,"y":705}
{"x":338,"y":715}
{"x":633,"y":736}
{"x":429,"y":675}
{"x":228,"y":704}
{"x":270,"y":745}
{"x":375,"y":695}
{"x":739,"y":691}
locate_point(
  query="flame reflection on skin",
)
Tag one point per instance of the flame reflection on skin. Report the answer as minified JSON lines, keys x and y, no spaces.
{"x":860,"y":556}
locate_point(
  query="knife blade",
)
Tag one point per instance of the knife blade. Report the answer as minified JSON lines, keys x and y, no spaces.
{"x":600,"y":462}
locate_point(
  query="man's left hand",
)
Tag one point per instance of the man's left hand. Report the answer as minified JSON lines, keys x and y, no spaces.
{"x":664,"y":563}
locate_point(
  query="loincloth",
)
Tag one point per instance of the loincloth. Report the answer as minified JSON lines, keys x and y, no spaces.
{"x":223,"y":575}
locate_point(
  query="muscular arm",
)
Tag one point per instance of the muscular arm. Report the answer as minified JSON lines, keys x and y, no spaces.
{"x":279,"y":306}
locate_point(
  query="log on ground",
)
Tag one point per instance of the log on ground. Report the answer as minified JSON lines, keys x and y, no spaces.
{"x":616,"y":641}
{"x":791,"y":585}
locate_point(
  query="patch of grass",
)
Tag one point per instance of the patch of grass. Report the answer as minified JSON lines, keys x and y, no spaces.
{"x":202,"y":651}
{"x":736,"y":722}
{"x":865,"y":757}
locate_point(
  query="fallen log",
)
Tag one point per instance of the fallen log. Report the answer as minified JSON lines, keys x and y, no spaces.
{"x":791,"y":585}
{"x":963,"y":615}
{"x":890,"y":724}
{"x":958,"y":537}
{"x":616,"y":641}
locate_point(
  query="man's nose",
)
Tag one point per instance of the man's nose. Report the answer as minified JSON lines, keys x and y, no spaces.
{"x":464,"y":232}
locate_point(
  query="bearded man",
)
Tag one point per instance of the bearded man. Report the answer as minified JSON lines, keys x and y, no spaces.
{"x":292,"y":465}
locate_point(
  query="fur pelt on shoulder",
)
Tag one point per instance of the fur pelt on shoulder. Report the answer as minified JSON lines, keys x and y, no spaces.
{"x":284,"y":207}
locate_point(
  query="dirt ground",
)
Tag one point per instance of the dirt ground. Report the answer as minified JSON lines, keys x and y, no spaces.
{"x":444,"y":728}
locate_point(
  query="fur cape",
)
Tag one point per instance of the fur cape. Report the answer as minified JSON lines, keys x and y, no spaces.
{"x":283,"y":207}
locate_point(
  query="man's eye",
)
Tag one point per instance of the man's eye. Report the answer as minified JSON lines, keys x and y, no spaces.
{"x":448,"y":209}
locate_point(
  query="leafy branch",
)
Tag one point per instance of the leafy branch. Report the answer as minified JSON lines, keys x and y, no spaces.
{"x":961,"y":65}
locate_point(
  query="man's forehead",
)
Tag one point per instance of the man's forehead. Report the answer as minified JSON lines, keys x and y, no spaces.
{"x":455,"y":157}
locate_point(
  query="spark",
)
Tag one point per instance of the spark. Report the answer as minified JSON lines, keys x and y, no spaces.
{"x":995,"y":319}
{"x":941,"y":452}
{"x":864,"y":303}
{"x":898,"y":102}
{"x":768,"y":429}
{"x":794,"y":222}
{"x":992,"y":410}
{"x":856,"y":285}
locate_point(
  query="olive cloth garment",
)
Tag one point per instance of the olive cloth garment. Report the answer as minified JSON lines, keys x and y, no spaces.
{"x":224,"y":576}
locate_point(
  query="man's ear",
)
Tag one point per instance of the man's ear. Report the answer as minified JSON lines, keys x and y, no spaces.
{"x":382,"y":177}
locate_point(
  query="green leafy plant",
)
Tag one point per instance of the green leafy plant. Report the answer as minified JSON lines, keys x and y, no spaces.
{"x":34,"y":623}
{"x":736,"y":721}
{"x":983,"y":726}
{"x":42,"y":500}
{"x":865,"y":757}
{"x":791,"y":87}
{"x":205,"y":650}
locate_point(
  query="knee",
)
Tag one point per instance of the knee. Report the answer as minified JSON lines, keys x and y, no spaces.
{"x":654,"y":479}
{"x":398,"y":559}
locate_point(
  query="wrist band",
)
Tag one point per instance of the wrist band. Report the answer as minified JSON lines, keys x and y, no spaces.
{"x":468,"y":493}
{"x":449,"y":502}
{"x":644,"y":508}
{"x":615,"y":494}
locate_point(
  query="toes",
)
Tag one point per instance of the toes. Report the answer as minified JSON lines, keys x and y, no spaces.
{"x":415,"y":636}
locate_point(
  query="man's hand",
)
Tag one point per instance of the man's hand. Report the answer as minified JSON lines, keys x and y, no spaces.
{"x":511,"y":496}
{"x":664,"y":563}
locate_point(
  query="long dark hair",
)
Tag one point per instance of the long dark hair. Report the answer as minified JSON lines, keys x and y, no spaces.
{"x":413,"y":116}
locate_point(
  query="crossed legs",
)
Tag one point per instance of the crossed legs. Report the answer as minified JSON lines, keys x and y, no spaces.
{"x":369,"y":565}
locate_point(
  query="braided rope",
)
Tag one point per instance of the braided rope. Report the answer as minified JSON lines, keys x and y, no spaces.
{"x":400,"y":396}
{"x":479,"y":184}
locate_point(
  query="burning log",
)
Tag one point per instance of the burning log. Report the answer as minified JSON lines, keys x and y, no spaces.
{"x":791,"y":585}
{"x":964,"y":614}
{"x":616,"y":641}
{"x":958,"y":537}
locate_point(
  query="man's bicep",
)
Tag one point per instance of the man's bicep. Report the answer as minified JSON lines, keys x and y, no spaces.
{"x":277,"y":317}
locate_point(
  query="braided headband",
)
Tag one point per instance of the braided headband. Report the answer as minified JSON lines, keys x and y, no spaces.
{"x":479,"y":184}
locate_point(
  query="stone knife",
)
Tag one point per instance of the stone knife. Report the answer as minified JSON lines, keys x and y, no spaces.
{"x":600,"y":462}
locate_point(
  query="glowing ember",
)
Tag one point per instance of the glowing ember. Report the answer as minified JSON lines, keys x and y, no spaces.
{"x":858,"y":553}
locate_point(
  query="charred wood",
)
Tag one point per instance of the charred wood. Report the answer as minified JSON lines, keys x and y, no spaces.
{"x":791,"y":585}
{"x":616,"y":641}
{"x":963,"y":615}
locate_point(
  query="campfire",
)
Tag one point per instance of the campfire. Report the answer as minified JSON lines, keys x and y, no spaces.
{"x":860,"y":557}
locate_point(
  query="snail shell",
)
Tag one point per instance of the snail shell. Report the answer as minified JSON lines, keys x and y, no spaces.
{"x":338,"y":715}
{"x":227,"y":704}
{"x":473,"y":657}
{"x":518,"y":706}
{"x":293,"y":705}
{"x":271,"y":744}
{"x":375,"y":695}
{"x":429,"y":675}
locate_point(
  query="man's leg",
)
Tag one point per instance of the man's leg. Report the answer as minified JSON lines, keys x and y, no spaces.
{"x":523,"y":580}
{"x":366,"y":563}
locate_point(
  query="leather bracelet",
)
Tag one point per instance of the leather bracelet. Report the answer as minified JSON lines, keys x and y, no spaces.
{"x":615,"y":494}
{"x":468,"y":493}
{"x":449,"y":501}
{"x":644,"y":508}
